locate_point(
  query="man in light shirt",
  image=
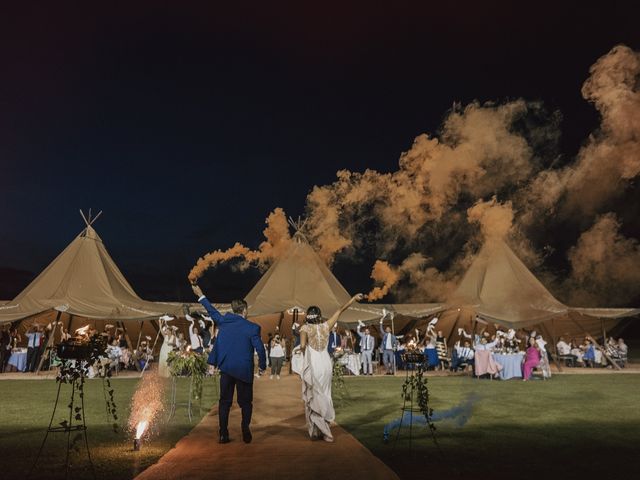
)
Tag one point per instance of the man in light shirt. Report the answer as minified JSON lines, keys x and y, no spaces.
{"x":367,"y":344}
{"x":197,"y":344}
{"x":462,"y":355}
{"x":389,"y":345}
{"x":564,"y":352}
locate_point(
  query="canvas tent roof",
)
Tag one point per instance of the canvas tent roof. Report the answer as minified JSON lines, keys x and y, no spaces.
{"x":84,"y":281}
{"x":501,"y":289}
{"x":300,"y":279}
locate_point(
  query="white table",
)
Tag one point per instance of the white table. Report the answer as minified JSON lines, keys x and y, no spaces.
{"x":352,"y":361}
{"x":18,"y":360}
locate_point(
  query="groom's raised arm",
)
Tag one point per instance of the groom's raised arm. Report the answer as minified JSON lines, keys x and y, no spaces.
{"x":213,"y":312}
{"x":256,"y":341}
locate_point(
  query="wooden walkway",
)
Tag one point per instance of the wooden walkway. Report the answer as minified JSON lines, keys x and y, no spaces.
{"x":281,"y":448}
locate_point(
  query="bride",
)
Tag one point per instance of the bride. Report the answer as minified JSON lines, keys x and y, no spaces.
{"x":317,"y":370}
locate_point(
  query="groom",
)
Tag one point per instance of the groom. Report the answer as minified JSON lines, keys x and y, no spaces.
{"x":233,"y":354}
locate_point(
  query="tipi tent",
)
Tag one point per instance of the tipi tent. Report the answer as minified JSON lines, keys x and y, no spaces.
{"x":500,"y":289}
{"x":299,"y":279}
{"x":84,"y":281}
{"x":83,"y":285}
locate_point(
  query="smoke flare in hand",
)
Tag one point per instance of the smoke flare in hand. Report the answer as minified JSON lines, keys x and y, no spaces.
{"x":382,"y":273}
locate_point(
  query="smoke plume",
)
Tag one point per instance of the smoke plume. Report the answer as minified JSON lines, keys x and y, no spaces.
{"x":604,"y":263}
{"x":491,"y":173}
{"x":277,"y":240}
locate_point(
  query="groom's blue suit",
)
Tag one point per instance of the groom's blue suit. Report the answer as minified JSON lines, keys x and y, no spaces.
{"x":233,"y":354}
{"x":237,"y":339}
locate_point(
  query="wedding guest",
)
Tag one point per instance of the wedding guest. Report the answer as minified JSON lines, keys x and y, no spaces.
{"x":531,"y":359}
{"x":544,"y":356}
{"x":564,"y":350}
{"x":577,"y":352}
{"x":295,"y":331}
{"x":461,"y":355}
{"x":334,"y":340}
{"x":276,"y":351}
{"x":367,"y":345}
{"x":33,"y":347}
{"x":181,"y":342}
{"x":389,"y":345}
{"x":64,"y":334}
{"x":5,"y":347}
{"x":197,"y":344}
{"x":441,"y":348}
{"x":430,"y":350}
{"x":623,"y":348}
{"x":612,"y":349}
{"x":589,"y":355}
{"x":347,"y":341}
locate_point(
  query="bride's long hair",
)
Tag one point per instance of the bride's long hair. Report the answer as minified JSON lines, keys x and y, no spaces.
{"x":314,"y":315}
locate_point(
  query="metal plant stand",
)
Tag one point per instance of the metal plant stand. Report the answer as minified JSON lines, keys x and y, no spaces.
{"x":411,"y":413}
{"x":76,"y":413}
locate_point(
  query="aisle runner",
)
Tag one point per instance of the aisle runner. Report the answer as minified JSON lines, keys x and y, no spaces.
{"x":281,"y":448}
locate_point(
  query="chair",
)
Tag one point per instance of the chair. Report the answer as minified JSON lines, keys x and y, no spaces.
{"x":569,"y":360}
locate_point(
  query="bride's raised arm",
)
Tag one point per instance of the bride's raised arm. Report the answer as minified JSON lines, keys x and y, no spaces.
{"x":334,"y":318}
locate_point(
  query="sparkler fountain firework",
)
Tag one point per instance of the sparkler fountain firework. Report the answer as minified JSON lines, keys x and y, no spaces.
{"x":146,"y":406}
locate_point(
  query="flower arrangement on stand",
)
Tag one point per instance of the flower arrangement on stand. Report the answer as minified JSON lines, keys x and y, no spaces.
{"x":189,"y":364}
{"x":339,"y":387}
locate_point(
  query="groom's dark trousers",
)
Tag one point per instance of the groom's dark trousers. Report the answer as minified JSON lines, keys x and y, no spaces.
{"x":233,"y":353}
{"x":245,"y":400}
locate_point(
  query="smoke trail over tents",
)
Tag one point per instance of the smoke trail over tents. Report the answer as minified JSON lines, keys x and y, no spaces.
{"x":277,"y":239}
{"x":491,"y":172}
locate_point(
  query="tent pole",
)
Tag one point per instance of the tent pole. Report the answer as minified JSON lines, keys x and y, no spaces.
{"x":280,"y":323}
{"x":146,"y":363}
{"x":139,"y":335}
{"x":604,"y":352}
{"x":47,"y":351}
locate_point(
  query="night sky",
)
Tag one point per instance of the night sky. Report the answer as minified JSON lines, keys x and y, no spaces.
{"x":187,"y":125}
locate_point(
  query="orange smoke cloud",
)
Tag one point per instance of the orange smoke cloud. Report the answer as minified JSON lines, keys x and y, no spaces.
{"x":386,"y":275}
{"x":495,"y":219}
{"x":604,"y":263}
{"x":277,"y":240}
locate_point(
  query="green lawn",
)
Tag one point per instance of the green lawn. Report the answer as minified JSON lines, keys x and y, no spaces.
{"x":572,"y":426}
{"x":26,"y":407}
{"x":585,"y":426}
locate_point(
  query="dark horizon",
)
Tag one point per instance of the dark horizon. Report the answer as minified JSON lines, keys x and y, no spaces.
{"x":188,"y":125}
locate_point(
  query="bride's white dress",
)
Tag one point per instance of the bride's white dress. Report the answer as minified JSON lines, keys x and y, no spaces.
{"x":317,"y":372}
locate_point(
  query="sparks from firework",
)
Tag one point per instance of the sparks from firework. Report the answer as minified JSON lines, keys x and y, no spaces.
{"x":146,"y":404}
